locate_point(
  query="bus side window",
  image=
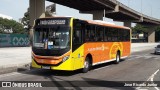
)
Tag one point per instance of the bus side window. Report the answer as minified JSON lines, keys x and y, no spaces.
{"x":99,"y":33}
{"x":90,"y":33}
{"x":105,"y":34}
{"x":87,"y":35}
{"x":109,"y":34}
{"x":77,"y":36}
{"x":92,"y":36}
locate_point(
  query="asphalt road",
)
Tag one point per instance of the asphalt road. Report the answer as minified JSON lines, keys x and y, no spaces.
{"x":141,"y":66}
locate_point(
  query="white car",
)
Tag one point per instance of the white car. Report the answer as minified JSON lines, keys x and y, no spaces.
{"x":157,"y":49}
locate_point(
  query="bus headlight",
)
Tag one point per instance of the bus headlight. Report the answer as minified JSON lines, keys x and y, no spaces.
{"x":65,"y":58}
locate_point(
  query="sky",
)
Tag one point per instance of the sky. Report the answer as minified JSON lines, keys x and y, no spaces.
{"x":17,"y":8}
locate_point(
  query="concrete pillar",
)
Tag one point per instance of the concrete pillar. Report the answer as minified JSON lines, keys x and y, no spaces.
{"x":97,"y":14}
{"x":127,"y":24}
{"x":37,"y":10}
{"x":151,"y":35}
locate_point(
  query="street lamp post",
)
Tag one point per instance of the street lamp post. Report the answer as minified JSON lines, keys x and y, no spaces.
{"x":141,"y":7}
{"x":151,"y":10}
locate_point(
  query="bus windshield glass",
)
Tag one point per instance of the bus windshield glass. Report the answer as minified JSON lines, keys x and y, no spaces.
{"x":52,"y":38}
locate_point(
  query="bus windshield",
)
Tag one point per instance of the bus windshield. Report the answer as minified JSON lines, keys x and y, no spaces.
{"x":52,"y":38}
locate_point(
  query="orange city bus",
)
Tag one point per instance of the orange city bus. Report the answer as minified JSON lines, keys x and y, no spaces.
{"x":66,"y":43}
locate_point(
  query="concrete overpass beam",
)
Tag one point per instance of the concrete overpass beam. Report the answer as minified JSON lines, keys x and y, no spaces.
{"x":116,"y":8}
{"x":151,"y":35}
{"x":141,"y":19}
{"x":37,"y":10}
{"x":97,"y":14}
{"x":127,"y":24}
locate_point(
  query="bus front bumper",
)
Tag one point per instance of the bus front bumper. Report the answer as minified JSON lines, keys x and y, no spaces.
{"x":67,"y":65}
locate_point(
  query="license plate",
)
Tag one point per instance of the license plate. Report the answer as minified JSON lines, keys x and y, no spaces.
{"x":46,"y":67}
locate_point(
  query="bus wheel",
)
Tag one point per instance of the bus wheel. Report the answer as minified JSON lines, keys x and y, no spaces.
{"x":117,"y":58}
{"x":87,"y":65}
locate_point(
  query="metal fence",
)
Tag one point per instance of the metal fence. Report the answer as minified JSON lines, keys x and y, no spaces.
{"x":14,"y":40}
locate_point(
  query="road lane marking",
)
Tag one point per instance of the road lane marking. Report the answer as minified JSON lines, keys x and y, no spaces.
{"x":152,"y":76}
{"x":138,"y":57}
{"x":156,"y":58}
{"x":156,"y":88}
{"x":151,"y":79}
{"x":148,"y":57}
{"x":101,"y":68}
{"x":130,"y":59}
{"x":134,"y":57}
{"x":145,"y":56}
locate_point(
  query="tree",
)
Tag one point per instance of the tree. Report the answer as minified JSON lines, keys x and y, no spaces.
{"x":12,"y":25}
{"x":144,"y":29}
{"x":25,"y":20}
{"x":50,"y":10}
{"x":139,"y":29}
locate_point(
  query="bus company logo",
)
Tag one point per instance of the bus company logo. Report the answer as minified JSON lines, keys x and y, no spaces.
{"x":6,"y":84}
{"x":102,"y":48}
{"x":114,"y":48}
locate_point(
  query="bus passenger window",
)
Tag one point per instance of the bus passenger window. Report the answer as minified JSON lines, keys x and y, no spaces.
{"x":92,"y":37}
{"x":77,"y":37}
{"x":86,"y":36}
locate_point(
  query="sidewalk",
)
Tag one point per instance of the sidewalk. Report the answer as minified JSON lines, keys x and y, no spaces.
{"x":15,"y":57}
{"x":11,"y":58}
{"x":136,"y":47}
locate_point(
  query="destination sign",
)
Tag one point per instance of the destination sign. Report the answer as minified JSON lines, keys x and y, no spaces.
{"x":52,"y":22}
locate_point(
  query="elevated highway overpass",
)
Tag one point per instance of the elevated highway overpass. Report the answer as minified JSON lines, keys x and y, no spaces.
{"x":113,"y":9}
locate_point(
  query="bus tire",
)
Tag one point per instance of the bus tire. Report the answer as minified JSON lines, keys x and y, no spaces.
{"x":87,"y":65}
{"x":117,"y":58}
{"x":31,"y":68}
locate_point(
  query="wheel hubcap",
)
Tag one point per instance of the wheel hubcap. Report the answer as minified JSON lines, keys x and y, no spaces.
{"x":117,"y":58}
{"x":86,"y":64}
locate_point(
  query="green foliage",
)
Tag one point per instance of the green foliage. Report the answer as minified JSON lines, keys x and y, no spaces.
{"x":11,"y":24}
{"x":47,"y":13}
{"x":140,"y":29}
{"x":144,"y":29}
{"x":25,"y":20}
{"x":158,"y":29}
